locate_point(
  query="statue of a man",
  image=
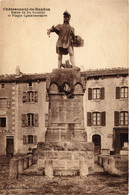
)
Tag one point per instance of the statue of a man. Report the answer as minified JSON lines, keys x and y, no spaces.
{"x":64,"y":43}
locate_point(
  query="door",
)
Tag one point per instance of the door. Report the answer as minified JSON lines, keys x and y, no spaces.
{"x":10,"y":146}
{"x":96,"y":139}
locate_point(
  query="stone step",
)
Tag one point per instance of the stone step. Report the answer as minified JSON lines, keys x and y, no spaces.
{"x":33,"y":171}
{"x":30,"y":171}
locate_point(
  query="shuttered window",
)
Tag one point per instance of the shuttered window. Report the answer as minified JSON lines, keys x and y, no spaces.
{"x":30,"y":96}
{"x":96,"y":119}
{"x":121,"y":92}
{"x":30,"y":119}
{"x":96,"y":93}
{"x":121,"y":118}
{"x":29,"y":139}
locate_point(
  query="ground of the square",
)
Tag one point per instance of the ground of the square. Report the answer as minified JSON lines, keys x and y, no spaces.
{"x":97,"y":183}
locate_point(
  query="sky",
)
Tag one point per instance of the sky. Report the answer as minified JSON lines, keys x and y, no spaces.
{"x":101,"y":23}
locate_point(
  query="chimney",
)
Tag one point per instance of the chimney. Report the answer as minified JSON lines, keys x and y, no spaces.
{"x":17,"y":71}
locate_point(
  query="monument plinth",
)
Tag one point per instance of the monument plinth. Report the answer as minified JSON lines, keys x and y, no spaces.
{"x":65,"y":139}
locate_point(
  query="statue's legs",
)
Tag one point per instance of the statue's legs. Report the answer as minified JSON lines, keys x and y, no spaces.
{"x":71,"y":54}
{"x":59,"y":60}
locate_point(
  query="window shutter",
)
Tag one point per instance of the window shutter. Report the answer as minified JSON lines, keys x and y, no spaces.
{"x":24,"y":139}
{"x":116,"y":118}
{"x":36,"y":96}
{"x":24,"y":97}
{"x":102,"y":93}
{"x":117,"y":92}
{"x":27,"y":139}
{"x":8,"y":103}
{"x":46,"y":120}
{"x":27,"y":96}
{"x":89,"y":93}
{"x":88,"y":118}
{"x":36,"y":118}
{"x":24,"y":121}
{"x":103,"y":118}
{"x":35,"y":139}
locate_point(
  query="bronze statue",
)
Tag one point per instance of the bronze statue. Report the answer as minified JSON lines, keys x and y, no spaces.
{"x":65,"y":40}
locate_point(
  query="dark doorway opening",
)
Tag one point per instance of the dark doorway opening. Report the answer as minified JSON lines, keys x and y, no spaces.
{"x":123,"y":138}
{"x":96,"y":139}
{"x":10,"y":146}
{"x":120,"y":137}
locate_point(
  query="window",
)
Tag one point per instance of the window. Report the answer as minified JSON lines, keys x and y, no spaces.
{"x":124,"y":92}
{"x":30,"y":84}
{"x":96,"y":118}
{"x":29,"y":139}
{"x":2,"y":122}
{"x":123,"y":118}
{"x":96,"y":93}
{"x":30,"y":120}
{"x":120,"y":118}
{"x":121,"y":92}
{"x":30,"y":96}
{"x":2,"y":86}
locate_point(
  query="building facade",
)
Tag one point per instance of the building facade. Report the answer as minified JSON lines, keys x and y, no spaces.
{"x":24,"y":109}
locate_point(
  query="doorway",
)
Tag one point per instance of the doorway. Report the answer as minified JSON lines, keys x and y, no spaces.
{"x":120,"y":136}
{"x":9,"y":146}
{"x":96,"y":139}
{"x":123,"y":138}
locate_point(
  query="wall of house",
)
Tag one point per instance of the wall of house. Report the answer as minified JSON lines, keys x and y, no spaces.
{"x":108,"y":105}
{"x":39,"y":107}
{"x":7,"y":111}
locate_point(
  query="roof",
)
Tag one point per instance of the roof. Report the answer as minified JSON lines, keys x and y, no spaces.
{"x":105,"y":72}
{"x":42,"y":77}
{"x":22,"y":78}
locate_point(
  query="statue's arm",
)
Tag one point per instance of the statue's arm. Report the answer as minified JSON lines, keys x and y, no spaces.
{"x":52,"y":29}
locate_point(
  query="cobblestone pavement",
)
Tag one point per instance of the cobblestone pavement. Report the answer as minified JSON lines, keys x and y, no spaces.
{"x":96,"y":184}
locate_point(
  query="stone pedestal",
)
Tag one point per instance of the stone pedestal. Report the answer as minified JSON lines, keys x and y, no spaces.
{"x":65,"y":139}
{"x":20,"y":165}
{"x":13,"y":171}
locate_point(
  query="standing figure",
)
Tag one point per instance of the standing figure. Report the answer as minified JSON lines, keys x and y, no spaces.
{"x":64,"y":43}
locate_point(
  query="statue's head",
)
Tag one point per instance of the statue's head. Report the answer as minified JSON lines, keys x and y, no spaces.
{"x":67,"y":17}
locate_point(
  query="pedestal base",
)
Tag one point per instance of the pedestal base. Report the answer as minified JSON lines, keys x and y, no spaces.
{"x":66,"y":158}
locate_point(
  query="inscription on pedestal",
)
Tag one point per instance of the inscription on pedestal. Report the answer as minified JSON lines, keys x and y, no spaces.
{"x":66,"y":111}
